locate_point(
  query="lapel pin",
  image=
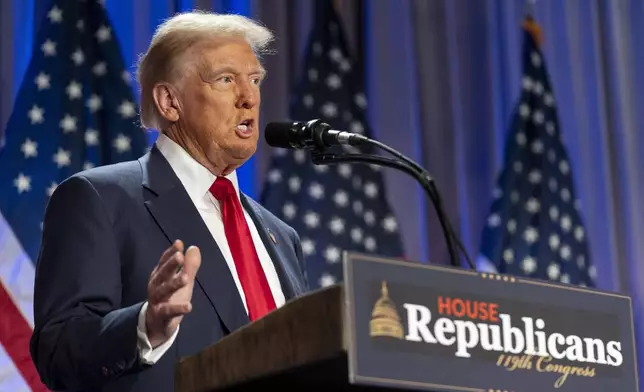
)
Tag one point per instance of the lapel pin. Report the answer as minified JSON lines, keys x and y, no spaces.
{"x":270,"y":234}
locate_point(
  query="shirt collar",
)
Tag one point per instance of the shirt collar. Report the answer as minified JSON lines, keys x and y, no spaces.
{"x":196,"y":179}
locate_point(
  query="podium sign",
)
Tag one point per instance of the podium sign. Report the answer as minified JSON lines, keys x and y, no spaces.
{"x":446,"y":329}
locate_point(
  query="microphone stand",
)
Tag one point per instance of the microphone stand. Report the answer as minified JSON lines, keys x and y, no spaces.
{"x":411,"y":168}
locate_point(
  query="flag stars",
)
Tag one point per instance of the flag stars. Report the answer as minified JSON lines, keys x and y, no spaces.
{"x":78,"y":57}
{"x":308,"y":246}
{"x":389,"y":224}
{"x":535,"y":58}
{"x":55,"y":15}
{"x":356,"y":127}
{"x":550,"y":128}
{"x":531,"y":235}
{"x":274,"y":176}
{"x":565,"y":195}
{"x":529,"y":265}
{"x":553,"y":271}
{"x":311,"y":219}
{"x":68,"y":123}
{"x":62,"y":158}
{"x":326,"y":280}
{"x":99,"y":69}
{"x":91,"y":137}
{"x":566,"y":223}
{"x":579,"y":233}
{"x":369,"y":218}
{"x":524,"y":110}
{"x":29,"y":148}
{"x":537,"y":146}
{"x":356,"y":235}
{"x":51,"y":188}
{"x":334,"y":82}
{"x":316,"y":191}
{"x":371,"y":190}
{"x":94,"y":103}
{"x":43,"y":81}
{"x":534,"y":176}
{"x":289,"y":210}
{"x":344,"y":170}
{"x":554,"y":213}
{"x":313,"y":74}
{"x":74,"y":90}
{"x":329,"y":109}
{"x":127,"y":77}
{"x":307,"y":100}
{"x":36,"y":115}
{"x":332,"y":254}
{"x":521,"y":138}
{"x":23,"y":183}
{"x":553,"y":242}
{"x":48,"y":48}
{"x":341,"y":198}
{"x":532,"y":205}
{"x":336,"y":225}
{"x":122,"y":143}
{"x":126,"y":109}
{"x":335,"y":54}
{"x":508,"y":256}
{"x":370,"y":244}
{"x":294,"y":184}
{"x":103,"y":34}
{"x":493,"y":220}
{"x":565,"y":252}
{"x":512,"y":226}
{"x":564,"y":167}
{"x":80,"y":25}
{"x":300,"y":156}
{"x":360,"y":100}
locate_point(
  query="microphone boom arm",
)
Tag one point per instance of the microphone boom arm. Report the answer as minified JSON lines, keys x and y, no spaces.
{"x":412,"y":169}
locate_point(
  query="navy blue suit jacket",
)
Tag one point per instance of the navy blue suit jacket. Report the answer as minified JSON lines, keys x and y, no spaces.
{"x":104,"y":231}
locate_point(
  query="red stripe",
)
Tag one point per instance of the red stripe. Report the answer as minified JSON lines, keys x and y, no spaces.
{"x":15,"y":333}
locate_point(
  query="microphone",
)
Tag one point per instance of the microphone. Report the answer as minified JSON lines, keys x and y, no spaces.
{"x":313,"y":135}
{"x":317,"y":136}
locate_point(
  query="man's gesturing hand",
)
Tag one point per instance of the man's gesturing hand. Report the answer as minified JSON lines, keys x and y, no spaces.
{"x":170,"y":291}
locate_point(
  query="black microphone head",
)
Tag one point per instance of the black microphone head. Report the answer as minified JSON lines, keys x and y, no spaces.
{"x":280,"y":134}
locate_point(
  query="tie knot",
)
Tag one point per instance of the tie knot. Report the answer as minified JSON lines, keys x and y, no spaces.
{"x":221,"y":188}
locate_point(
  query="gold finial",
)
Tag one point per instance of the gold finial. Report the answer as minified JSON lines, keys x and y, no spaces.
{"x":384,"y":317}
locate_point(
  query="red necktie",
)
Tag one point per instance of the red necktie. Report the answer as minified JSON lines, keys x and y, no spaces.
{"x":259,"y":298}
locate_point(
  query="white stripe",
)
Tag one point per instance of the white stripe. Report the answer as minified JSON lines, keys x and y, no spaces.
{"x":17,"y":272}
{"x":10,"y":377}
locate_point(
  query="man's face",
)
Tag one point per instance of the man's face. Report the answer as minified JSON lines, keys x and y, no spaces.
{"x":220,"y":101}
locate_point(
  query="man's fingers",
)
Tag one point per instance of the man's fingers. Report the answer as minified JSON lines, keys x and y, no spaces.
{"x":167,"y":310}
{"x":177,"y":246}
{"x":168,"y":270}
{"x":192,"y":261}
{"x":169,"y":287}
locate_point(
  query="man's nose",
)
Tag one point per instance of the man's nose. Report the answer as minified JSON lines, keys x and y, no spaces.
{"x":248,"y":95}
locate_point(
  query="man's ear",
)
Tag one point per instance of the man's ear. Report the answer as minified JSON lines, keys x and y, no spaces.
{"x":167,"y":101}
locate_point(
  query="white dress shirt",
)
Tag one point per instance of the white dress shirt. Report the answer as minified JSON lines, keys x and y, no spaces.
{"x":196,"y":179}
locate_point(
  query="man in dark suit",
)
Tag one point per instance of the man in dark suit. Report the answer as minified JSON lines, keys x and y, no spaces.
{"x":148,"y":261}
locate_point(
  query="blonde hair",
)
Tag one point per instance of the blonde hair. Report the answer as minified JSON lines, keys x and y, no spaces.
{"x":175,"y":36}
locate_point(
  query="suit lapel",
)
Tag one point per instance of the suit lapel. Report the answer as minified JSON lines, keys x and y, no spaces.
{"x":270,"y":242}
{"x":178,"y":218}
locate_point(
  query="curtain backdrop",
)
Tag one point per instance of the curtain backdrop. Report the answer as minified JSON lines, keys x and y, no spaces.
{"x":442,"y":77}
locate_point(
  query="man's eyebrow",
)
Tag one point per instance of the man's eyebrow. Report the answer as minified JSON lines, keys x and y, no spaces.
{"x":228,"y":69}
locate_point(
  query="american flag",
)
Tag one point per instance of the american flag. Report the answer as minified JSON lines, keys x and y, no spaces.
{"x":339,"y":207}
{"x":534,"y":228}
{"x":74,"y":110}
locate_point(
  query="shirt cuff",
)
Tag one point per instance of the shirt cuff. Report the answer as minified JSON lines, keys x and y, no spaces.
{"x":148,"y":355}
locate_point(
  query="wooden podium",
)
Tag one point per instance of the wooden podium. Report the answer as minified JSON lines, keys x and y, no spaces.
{"x":299,"y":345}
{"x":396,"y":325}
